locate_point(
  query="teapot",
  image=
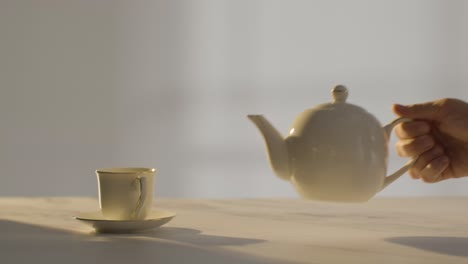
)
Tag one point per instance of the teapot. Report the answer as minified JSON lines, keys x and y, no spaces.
{"x":335,"y":151}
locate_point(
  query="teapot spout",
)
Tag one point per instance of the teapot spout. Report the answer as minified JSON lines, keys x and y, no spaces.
{"x":276,"y":146}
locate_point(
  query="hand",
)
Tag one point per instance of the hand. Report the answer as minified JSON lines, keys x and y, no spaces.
{"x":437,"y":138}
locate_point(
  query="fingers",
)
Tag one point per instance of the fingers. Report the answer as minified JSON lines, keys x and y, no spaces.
{"x":429,"y":111}
{"x":412,"y":129}
{"x":431,"y":161}
{"x":423,"y":160}
{"x":431,"y":164}
{"x":417,"y":140}
{"x":433,"y":170}
{"x":413,"y":147}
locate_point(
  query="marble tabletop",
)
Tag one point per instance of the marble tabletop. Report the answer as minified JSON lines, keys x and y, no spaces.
{"x":383,"y":230}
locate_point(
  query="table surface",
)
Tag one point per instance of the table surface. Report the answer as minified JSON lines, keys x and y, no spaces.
{"x":383,"y":230}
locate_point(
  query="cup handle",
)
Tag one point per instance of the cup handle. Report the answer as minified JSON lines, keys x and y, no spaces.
{"x":142,"y":197}
{"x":388,"y":131}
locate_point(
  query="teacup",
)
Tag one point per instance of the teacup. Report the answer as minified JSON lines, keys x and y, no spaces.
{"x":125,"y":193}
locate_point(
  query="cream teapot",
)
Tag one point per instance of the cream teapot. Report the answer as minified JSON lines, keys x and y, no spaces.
{"x":334,"y":152}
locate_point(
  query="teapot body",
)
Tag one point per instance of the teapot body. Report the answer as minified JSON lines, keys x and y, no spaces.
{"x":334,"y":152}
{"x":335,"y":156}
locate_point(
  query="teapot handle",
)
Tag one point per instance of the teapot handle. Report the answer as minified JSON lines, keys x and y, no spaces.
{"x":388,"y":130}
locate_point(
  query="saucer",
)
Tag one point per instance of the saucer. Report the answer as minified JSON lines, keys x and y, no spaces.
{"x":154,"y":219}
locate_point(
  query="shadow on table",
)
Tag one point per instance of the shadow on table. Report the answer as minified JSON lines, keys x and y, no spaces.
{"x":192,"y":236}
{"x":454,"y":246}
{"x":26,"y":243}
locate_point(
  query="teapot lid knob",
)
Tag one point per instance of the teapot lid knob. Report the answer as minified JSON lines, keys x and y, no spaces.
{"x":340,"y":93}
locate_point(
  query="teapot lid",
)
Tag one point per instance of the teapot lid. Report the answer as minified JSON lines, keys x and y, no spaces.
{"x":340,"y":94}
{"x":339,"y":105}
{"x":341,"y":111}
{"x":338,"y":111}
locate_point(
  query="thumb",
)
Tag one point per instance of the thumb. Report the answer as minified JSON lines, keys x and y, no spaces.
{"x":429,"y":111}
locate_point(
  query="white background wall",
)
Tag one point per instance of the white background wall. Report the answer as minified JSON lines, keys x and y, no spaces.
{"x":88,"y":84}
